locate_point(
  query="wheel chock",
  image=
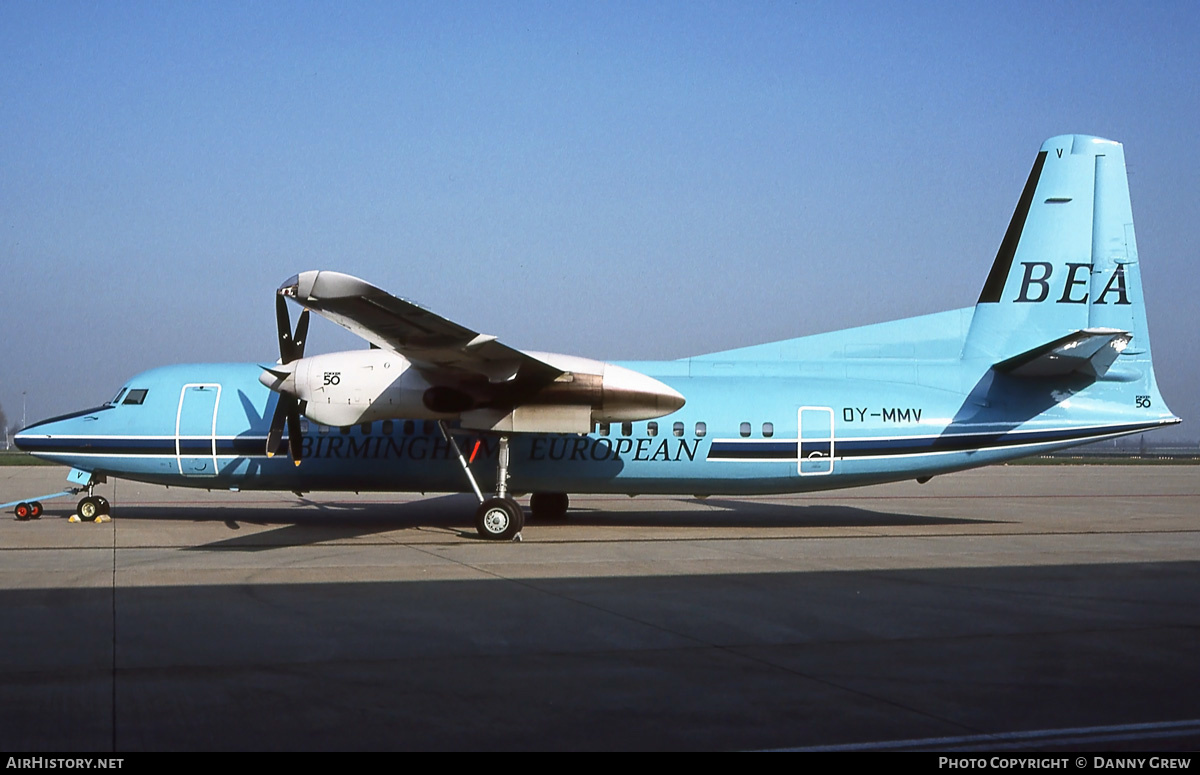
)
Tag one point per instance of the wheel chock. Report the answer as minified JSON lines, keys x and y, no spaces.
{"x":100,"y":518}
{"x":75,"y":518}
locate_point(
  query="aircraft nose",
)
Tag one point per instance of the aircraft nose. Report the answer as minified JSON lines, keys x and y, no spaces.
{"x":51,"y":435}
{"x":39,"y":440}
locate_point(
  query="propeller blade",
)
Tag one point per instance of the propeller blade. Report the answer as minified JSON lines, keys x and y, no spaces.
{"x":287,"y":347}
{"x":301,"y":334}
{"x":293,"y":426}
{"x":275,"y":434}
{"x":287,"y":409}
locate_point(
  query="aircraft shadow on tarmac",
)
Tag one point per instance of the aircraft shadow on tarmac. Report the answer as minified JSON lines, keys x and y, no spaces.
{"x":309,"y":522}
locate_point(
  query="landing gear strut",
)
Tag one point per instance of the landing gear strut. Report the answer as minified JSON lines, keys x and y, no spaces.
{"x":499,"y":518}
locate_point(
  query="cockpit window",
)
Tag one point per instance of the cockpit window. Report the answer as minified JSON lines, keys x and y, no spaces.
{"x":117,"y":398}
{"x":135,"y":397}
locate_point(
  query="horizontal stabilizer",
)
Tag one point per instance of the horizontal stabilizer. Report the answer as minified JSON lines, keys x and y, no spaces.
{"x":1089,"y":352}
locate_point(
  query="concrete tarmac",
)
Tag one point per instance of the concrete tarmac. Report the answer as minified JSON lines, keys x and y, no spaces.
{"x":1027,"y":607}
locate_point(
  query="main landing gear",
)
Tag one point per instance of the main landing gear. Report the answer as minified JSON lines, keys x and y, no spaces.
{"x":550,"y":506}
{"x":501,"y":518}
{"x":496,"y":516}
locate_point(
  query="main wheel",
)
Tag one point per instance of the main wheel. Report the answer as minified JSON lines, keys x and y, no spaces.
{"x":23,"y":511}
{"x":499,"y":519}
{"x":89,"y":507}
{"x":35,"y":510}
{"x":549,"y":505}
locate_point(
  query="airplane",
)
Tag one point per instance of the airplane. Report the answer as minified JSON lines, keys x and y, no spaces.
{"x":1055,"y":352}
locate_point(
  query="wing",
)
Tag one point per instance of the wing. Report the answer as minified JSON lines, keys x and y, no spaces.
{"x":435,"y":345}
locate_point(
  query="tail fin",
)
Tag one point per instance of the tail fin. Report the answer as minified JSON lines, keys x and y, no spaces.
{"x":1067,"y":269}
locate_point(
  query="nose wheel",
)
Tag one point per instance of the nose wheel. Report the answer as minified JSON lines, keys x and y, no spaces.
{"x":92,"y":506}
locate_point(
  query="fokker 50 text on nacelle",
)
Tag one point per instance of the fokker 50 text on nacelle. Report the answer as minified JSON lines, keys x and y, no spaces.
{"x":1054,"y":353}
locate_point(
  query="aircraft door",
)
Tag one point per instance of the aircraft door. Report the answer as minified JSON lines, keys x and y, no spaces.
{"x":196,"y":429}
{"x":814,"y":445}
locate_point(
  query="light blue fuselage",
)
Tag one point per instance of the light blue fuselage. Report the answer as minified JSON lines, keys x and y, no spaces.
{"x":884,"y":411}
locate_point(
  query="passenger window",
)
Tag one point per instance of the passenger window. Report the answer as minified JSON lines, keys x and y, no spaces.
{"x":651,"y":429}
{"x":701,"y":429}
{"x":135,"y":397}
{"x":409,"y":427}
{"x":345,"y":430}
{"x":365,"y":428}
{"x":603,"y":429}
{"x":322,"y":429}
{"x":427,"y":427}
{"x":677,"y":429}
{"x":303,"y":426}
{"x":768,"y":430}
{"x":626,"y":429}
{"x":744,"y":430}
{"x":387,"y":427}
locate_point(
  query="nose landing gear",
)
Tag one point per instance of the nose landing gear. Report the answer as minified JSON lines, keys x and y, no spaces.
{"x":92,"y":506}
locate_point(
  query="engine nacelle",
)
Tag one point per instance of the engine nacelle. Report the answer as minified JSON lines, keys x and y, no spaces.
{"x":348,"y":388}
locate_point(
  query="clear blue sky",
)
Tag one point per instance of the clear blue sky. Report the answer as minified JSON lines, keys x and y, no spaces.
{"x":615,"y":180}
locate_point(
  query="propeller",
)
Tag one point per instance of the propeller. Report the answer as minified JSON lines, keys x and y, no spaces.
{"x":289,"y":408}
